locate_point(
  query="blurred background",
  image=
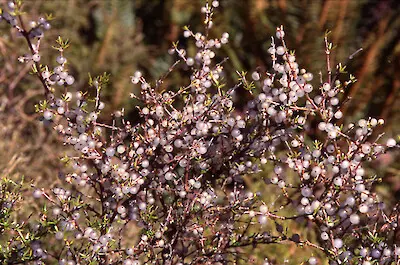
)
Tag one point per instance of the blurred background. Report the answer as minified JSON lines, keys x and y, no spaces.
{"x":122,"y":36}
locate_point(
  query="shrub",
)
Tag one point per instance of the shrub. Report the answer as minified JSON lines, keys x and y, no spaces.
{"x":171,"y":188}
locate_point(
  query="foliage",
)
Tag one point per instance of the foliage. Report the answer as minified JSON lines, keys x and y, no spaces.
{"x":172,"y":187}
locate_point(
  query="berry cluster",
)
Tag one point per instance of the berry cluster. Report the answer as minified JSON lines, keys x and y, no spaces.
{"x":178,"y":175}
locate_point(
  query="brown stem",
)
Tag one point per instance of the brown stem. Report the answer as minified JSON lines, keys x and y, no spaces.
{"x":28,"y":40}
